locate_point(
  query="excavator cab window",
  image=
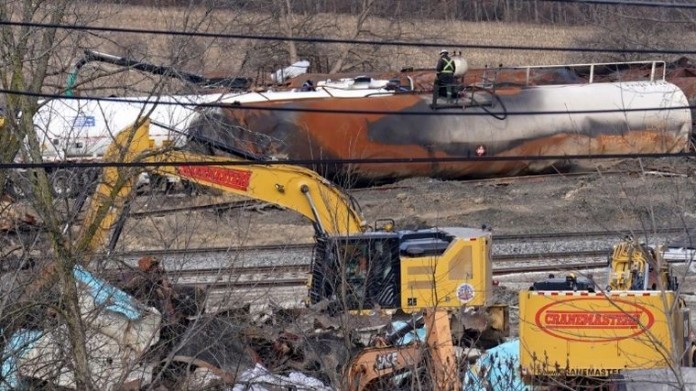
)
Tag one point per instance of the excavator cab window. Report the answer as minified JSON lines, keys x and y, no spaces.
{"x":357,"y":272}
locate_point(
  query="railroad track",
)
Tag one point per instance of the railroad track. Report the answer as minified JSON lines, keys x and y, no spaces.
{"x":288,"y":286}
{"x":268,"y":273}
{"x":223,"y":281}
{"x":588,"y":234}
{"x":297,"y":274}
{"x":496,"y":238}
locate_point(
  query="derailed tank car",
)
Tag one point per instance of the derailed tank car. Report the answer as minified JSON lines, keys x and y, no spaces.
{"x":527,"y":120}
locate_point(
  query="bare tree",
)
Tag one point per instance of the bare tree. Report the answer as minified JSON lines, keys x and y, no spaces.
{"x":37,"y":59}
{"x":630,"y":27}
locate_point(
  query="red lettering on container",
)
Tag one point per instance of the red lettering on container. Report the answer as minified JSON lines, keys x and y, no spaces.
{"x":624,"y":320}
{"x":223,"y":176}
{"x":599,"y":319}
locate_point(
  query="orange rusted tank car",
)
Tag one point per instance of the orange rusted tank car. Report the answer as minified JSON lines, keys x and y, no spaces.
{"x":528,"y":111}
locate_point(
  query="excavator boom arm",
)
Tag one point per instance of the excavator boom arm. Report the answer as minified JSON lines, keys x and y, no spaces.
{"x":291,"y":187}
{"x":287,"y":186}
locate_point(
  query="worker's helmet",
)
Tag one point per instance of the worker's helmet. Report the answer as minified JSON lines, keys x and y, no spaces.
{"x":443,"y":51}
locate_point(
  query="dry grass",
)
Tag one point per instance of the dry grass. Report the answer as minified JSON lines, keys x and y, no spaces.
{"x":502,"y":34}
{"x":428,"y":30}
{"x":245,"y":57}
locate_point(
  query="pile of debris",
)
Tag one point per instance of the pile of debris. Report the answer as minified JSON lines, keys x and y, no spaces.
{"x":16,"y":217}
{"x":148,"y":332}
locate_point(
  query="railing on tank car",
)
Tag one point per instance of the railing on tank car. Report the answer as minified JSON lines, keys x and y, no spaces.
{"x":655,"y":66}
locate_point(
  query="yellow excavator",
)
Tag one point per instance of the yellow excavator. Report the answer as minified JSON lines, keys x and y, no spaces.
{"x":365,"y":269}
{"x":439,"y":270}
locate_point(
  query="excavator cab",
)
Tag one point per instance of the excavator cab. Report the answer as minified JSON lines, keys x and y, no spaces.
{"x":407,"y":270}
{"x":359,"y":272}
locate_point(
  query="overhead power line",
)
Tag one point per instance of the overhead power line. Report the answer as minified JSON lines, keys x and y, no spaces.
{"x":630,"y":3}
{"x":244,"y":106}
{"x":341,"y":41}
{"x":307,"y":162}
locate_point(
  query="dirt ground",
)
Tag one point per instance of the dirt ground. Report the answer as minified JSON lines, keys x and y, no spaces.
{"x":655,"y":194}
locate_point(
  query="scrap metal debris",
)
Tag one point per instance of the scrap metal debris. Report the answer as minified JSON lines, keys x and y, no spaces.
{"x":15,"y":217}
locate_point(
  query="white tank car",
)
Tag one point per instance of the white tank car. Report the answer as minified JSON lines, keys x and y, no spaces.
{"x":578,"y":119}
{"x":80,"y":129}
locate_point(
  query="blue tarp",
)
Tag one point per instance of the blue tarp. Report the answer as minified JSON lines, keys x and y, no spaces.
{"x":497,"y":370}
{"x":104,"y":294}
{"x":112,"y":298}
{"x":17,"y":346}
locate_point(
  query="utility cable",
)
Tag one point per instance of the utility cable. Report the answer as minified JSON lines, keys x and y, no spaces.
{"x":462,"y":45}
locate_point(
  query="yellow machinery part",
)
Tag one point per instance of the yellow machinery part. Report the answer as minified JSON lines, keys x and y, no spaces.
{"x":373,"y":367}
{"x":460,"y":276}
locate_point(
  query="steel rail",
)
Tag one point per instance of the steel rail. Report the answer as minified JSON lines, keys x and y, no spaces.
{"x":218,"y":206}
{"x":234,"y":277}
{"x":286,"y":282}
{"x":238,"y":276}
{"x":496,"y":238}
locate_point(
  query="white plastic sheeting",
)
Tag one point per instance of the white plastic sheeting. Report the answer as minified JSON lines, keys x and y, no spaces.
{"x":259,"y":379}
{"x":294,"y":70}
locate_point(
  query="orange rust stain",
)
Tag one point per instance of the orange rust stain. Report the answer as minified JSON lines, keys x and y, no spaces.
{"x":508,"y":91}
{"x":346,"y":134}
{"x":640,"y":141}
{"x":645,"y":141}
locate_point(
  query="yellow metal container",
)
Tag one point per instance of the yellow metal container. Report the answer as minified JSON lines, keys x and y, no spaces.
{"x":598,"y":335}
